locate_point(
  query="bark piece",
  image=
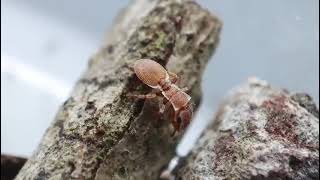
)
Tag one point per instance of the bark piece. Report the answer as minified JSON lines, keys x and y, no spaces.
{"x":259,"y":133}
{"x":100,"y":133}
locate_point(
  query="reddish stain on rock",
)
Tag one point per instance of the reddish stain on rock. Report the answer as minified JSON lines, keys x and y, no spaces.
{"x":224,"y":149}
{"x":281,"y":122}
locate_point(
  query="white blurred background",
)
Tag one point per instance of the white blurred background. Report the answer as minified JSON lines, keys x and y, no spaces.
{"x":48,"y":43}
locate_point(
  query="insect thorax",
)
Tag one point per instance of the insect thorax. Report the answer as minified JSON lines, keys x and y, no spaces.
{"x":177,"y":97}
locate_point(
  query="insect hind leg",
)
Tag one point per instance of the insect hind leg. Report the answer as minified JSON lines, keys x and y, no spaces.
{"x":154,"y":93}
{"x":143,"y":96}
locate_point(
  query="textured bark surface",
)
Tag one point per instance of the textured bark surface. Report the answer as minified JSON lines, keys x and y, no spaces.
{"x":259,"y":133}
{"x":99,"y":133}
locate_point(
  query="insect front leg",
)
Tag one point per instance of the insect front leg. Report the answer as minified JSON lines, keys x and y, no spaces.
{"x":173,"y":77}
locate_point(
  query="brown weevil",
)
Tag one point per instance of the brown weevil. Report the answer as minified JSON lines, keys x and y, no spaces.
{"x":157,"y":77}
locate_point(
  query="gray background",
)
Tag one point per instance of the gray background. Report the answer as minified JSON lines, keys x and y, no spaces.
{"x":276,"y":40}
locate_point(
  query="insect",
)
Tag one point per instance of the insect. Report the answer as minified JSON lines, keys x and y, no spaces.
{"x":163,"y":82}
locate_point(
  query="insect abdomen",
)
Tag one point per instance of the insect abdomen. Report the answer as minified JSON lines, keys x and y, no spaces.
{"x":150,"y":72}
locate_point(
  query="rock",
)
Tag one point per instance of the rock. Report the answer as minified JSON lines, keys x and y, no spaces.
{"x":100,"y":132}
{"x":260,"y":132}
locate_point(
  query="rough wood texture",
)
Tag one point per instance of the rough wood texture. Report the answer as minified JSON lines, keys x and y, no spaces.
{"x":259,"y":133}
{"x":99,"y":133}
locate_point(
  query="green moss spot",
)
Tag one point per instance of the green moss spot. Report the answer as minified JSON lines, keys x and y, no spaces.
{"x":160,"y":42}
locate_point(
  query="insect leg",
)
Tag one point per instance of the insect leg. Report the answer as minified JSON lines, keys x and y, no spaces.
{"x":157,"y":92}
{"x":143,"y":96}
{"x":173,"y":77}
{"x":172,"y":115}
{"x":175,"y":124}
{"x":185,"y":89}
{"x":154,"y":93}
{"x":165,"y":106}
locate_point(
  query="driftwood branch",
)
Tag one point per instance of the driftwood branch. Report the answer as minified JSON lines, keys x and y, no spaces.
{"x":99,"y":133}
{"x":260,"y":132}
